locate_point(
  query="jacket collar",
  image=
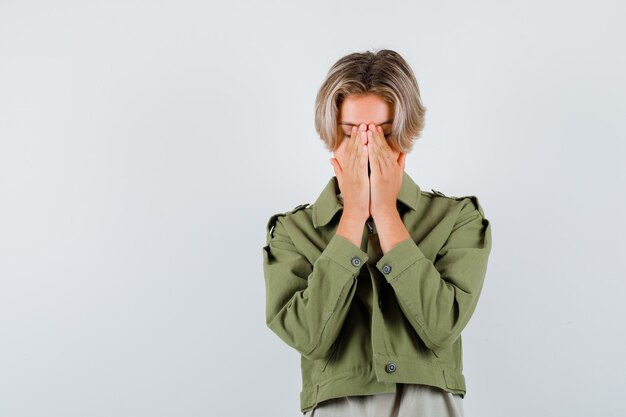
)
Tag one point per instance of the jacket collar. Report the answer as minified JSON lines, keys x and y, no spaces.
{"x":328,"y":204}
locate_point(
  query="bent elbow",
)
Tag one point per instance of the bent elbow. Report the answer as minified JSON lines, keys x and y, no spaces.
{"x":313,"y":356}
{"x":300,"y":341}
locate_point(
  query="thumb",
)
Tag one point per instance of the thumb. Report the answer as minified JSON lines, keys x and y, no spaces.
{"x":335,"y":165}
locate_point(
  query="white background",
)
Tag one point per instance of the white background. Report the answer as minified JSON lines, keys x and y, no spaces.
{"x":144,"y":145}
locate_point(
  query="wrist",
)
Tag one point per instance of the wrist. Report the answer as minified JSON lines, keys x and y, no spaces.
{"x":355,"y":215}
{"x":387,"y":213}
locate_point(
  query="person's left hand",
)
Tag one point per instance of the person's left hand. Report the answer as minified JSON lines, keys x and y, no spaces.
{"x":387,"y":171}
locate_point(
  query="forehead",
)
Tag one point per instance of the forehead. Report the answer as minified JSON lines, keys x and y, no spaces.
{"x":365,"y":108}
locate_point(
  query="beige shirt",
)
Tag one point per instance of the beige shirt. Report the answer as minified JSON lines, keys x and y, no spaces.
{"x":409,"y":400}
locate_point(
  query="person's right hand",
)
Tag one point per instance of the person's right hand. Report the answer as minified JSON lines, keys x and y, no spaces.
{"x":350,"y":164}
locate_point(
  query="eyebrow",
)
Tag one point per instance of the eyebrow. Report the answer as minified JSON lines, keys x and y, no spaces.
{"x":386,"y":122}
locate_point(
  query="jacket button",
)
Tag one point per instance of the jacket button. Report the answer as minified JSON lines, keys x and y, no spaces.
{"x":390,"y":367}
{"x":356,"y":261}
{"x":386,"y":269}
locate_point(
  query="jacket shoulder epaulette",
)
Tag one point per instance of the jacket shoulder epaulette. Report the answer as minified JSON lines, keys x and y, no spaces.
{"x":439,"y":193}
{"x":272,"y":220}
{"x":460,"y":198}
{"x":299,"y":207}
{"x":474,"y":201}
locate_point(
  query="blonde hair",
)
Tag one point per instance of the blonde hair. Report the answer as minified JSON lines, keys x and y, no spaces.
{"x":384,"y":73}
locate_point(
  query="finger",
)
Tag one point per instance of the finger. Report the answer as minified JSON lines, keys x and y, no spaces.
{"x":336,"y":167}
{"x":389,"y":152}
{"x":340,"y":152}
{"x":401,"y":159}
{"x":360,"y":143}
{"x":377,"y":145}
{"x":349,"y":140}
{"x":373,"y":157}
{"x":363,"y":162}
{"x":386,"y":155}
{"x":353,"y":148}
{"x":353,"y":137}
{"x":376,"y":149}
{"x":379,"y":154}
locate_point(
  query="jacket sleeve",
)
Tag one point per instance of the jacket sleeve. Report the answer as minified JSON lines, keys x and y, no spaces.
{"x":439,"y":298}
{"x":306,"y":304}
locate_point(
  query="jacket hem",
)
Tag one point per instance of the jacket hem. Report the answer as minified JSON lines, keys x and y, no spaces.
{"x":365,"y":381}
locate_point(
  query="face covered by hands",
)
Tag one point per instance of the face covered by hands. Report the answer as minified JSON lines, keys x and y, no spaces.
{"x":385,"y":168}
{"x":350,"y":166}
{"x":386,"y":173}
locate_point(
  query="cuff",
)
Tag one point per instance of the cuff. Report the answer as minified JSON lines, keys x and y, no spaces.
{"x":345,"y":253}
{"x":399,"y":258}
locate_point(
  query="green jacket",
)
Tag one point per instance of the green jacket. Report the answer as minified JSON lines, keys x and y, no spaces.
{"x":363,"y":321}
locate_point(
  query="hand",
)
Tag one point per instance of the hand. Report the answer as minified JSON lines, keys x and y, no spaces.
{"x":387,"y":171}
{"x":350,"y":166}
